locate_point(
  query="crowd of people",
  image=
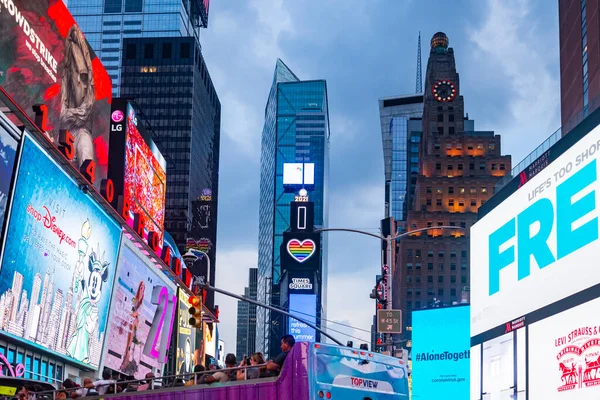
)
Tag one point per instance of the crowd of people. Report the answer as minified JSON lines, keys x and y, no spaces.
{"x":253,"y":367}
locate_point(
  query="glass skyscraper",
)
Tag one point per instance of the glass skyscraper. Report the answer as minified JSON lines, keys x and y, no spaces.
{"x":296,"y":129}
{"x":107,"y":22}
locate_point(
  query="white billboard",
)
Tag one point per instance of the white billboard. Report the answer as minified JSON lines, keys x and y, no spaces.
{"x":564,"y":355}
{"x":293,"y":172}
{"x":539,"y":245}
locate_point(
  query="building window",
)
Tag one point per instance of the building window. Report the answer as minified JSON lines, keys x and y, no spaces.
{"x":451,"y":117}
{"x":430,"y":254}
{"x":417,"y":279}
{"x":408,"y":279}
{"x":133,"y":5}
{"x":482,"y":166}
{"x":418,"y":253}
{"x":440,"y":117}
{"x":430,"y":279}
{"x":409,"y":304}
{"x":502,"y":167}
{"x":463,"y":253}
{"x":461,"y":203}
{"x":429,"y":224}
{"x":452,"y":254}
{"x":409,"y":266}
{"x":149,"y":50}
{"x":440,"y":254}
{"x":439,"y":190}
{"x":166,"y":50}
{"x":441,"y":279}
{"x":451,"y":189}
{"x":483,"y":202}
{"x":440,"y":267}
{"x":463,"y":266}
{"x":440,"y":223}
{"x":451,"y":202}
{"x":493,"y":167}
{"x":418,"y":266}
{"x":428,"y":202}
{"x":417,"y":293}
{"x":473,"y":202}
{"x":452,"y":266}
{"x":461,"y":190}
{"x":453,"y":279}
{"x":460,"y":167}
{"x":409,"y":253}
{"x":438,"y":202}
{"x":438,"y":166}
{"x":463,"y":279}
{"x":452,"y":292}
{"x":184,"y":50}
{"x":130,"y":51}
{"x":428,"y":189}
{"x":480,"y":146}
{"x":418,"y":304}
{"x":471,"y":166}
{"x":483,"y":189}
{"x":450,"y":167}
{"x":430,"y":266}
{"x":440,"y":292}
{"x":463,"y":224}
{"x":491,"y":146}
{"x":451,"y":130}
{"x":440,"y":130}
{"x":436,"y":146}
{"x":473,"y":190}
{"x":113,"y":6}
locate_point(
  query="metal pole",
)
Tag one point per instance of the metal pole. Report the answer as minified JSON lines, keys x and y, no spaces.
{"x":389,"y":284}
{"x":243,"y":298}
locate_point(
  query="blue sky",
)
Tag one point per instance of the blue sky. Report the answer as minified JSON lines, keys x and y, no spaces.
{"x":507,"y":57}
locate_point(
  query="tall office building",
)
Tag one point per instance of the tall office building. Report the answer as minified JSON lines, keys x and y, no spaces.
{"x":400,"y":119}
{"x":458,"y":168}
{"x":246,"y":319}
{"x":296,"y":129}
{"x":174,"y":94}
{"x":107,"y":22}
{"x":579,"y":60}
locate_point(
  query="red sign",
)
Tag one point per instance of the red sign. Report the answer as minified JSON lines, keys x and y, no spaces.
{"x":47,"y":64}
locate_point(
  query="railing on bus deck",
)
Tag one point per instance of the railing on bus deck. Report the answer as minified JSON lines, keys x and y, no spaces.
{"x":168,"y":381}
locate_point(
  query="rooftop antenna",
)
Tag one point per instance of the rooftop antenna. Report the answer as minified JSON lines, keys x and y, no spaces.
{"x":419,"y":85}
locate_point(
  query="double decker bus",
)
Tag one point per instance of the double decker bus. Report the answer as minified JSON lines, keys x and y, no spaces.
{"x":311,"y":371}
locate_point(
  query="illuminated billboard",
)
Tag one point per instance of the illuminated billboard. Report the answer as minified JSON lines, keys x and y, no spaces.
{"x":298,"y":174}
{"x":142,"y":316}
{"x":45,"y":59}
{"x":440,"y":353}
{"x":305,"y":307}
{"x":59,"y":262}
{"x":187,"y":356}
{"x":533,"y":284}
{"x":202,"y":239}
{"x":8,"y":156}
{"x":300,"y":251}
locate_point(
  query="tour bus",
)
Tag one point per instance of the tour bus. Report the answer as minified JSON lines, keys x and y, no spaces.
{"x":311,"y":371}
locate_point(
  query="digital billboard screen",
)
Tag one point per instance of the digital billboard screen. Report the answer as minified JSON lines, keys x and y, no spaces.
{"x":59,"y":262}
{"x":300,"y":251}
{"x":440,"y":353}
{"x":539,"y":240}
{"x":304,"y":306}
{"x":46,"y":59}
{"x":142,"y":316}
{"x":202,"y":239}
{"x":187,"y":355}
{"x":298,"y":174}
{"x":564,"y":355}
{"x":8,"y":156}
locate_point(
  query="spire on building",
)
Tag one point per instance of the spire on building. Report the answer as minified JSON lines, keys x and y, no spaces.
{"x":419,"y":85}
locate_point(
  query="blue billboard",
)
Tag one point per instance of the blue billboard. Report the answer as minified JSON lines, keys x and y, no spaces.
{"x":305,"y":307}
{"x":59,"y":263}
{"x":441,"y":353}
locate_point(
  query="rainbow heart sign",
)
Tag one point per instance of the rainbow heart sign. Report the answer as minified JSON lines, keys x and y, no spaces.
{"x":301,"y":251}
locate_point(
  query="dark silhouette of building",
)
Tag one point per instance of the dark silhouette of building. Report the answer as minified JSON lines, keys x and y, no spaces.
{"x":579,"y":60}
{"x":458,"y":168}
{"x":246,"y":319}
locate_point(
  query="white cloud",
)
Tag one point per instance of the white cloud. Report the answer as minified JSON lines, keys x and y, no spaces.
{"x":232,"y":275}
{"x":273,"y":20}
{"x":510,"y":41}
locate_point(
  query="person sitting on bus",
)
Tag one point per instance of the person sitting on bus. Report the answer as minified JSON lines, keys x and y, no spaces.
{"x":287,"y":342}
{"x":103,"y":384}
{"x":73,"y":390}
{"x":254,"y":372}
{"x":146,"y":386}
{"x":200,"y":379}
{"x":61,"y":395}
{"x":89,"y":389}
{"x":225,"y":376}
{"x":28,"y":392}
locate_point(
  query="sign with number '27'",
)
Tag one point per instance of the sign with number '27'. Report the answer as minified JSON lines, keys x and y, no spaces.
{"x":389,"y":321}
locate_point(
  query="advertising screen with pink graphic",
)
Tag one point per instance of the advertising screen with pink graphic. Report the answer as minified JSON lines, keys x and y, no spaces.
{"x":143,"y":312}
{"x":564,"y":355}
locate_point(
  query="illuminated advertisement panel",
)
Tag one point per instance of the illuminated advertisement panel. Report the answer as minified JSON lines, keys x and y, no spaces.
{"x":45,"y":59}
{"x":298,"y":174}
{"x":305,"y":307}
{"x":300,"y":251}
{"x":142,"y":316}
{"x":203,"y":238}
{"x":137,"y":169}
{"x":8,"y":155}
{"x":59,"y":263}
{"x":440,"y":353}
{"x":564,"y":355}
{"x":187,"y":356}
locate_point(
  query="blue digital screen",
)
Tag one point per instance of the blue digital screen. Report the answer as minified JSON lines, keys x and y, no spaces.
{"x":305,"y":307}
{"x":441,"y":345}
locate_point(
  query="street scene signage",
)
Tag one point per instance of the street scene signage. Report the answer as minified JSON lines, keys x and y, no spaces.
{"x":389,"y":321}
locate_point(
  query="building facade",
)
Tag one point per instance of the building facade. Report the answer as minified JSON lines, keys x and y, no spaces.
{"x":174,"y":93}
{"x":458,"y":168}
{"x":296,"y":129}
{"x":246,"y":319}
{"x":579,"y":29}
{"x":106,"y":23}
{"x":400,"y":150}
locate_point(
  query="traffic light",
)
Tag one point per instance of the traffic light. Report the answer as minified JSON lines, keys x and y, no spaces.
{"x":195,"y":311}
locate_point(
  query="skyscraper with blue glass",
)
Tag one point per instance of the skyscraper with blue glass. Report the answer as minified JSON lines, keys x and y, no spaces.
{"x":296,"y":129}
{"x":107,"y":22}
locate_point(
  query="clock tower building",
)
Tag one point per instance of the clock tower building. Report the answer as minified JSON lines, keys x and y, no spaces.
{"x":458,"y":169}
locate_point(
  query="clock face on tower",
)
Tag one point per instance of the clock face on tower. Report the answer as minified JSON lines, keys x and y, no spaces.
{"x":444,"y":90}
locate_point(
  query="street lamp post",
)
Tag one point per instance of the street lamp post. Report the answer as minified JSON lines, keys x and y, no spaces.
{"x":389,"y":240}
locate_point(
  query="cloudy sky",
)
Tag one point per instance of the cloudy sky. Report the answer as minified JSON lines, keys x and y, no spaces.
{"x":507,"y":56}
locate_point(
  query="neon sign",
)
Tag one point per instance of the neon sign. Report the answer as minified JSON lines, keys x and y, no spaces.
{"x":15,"y":372}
